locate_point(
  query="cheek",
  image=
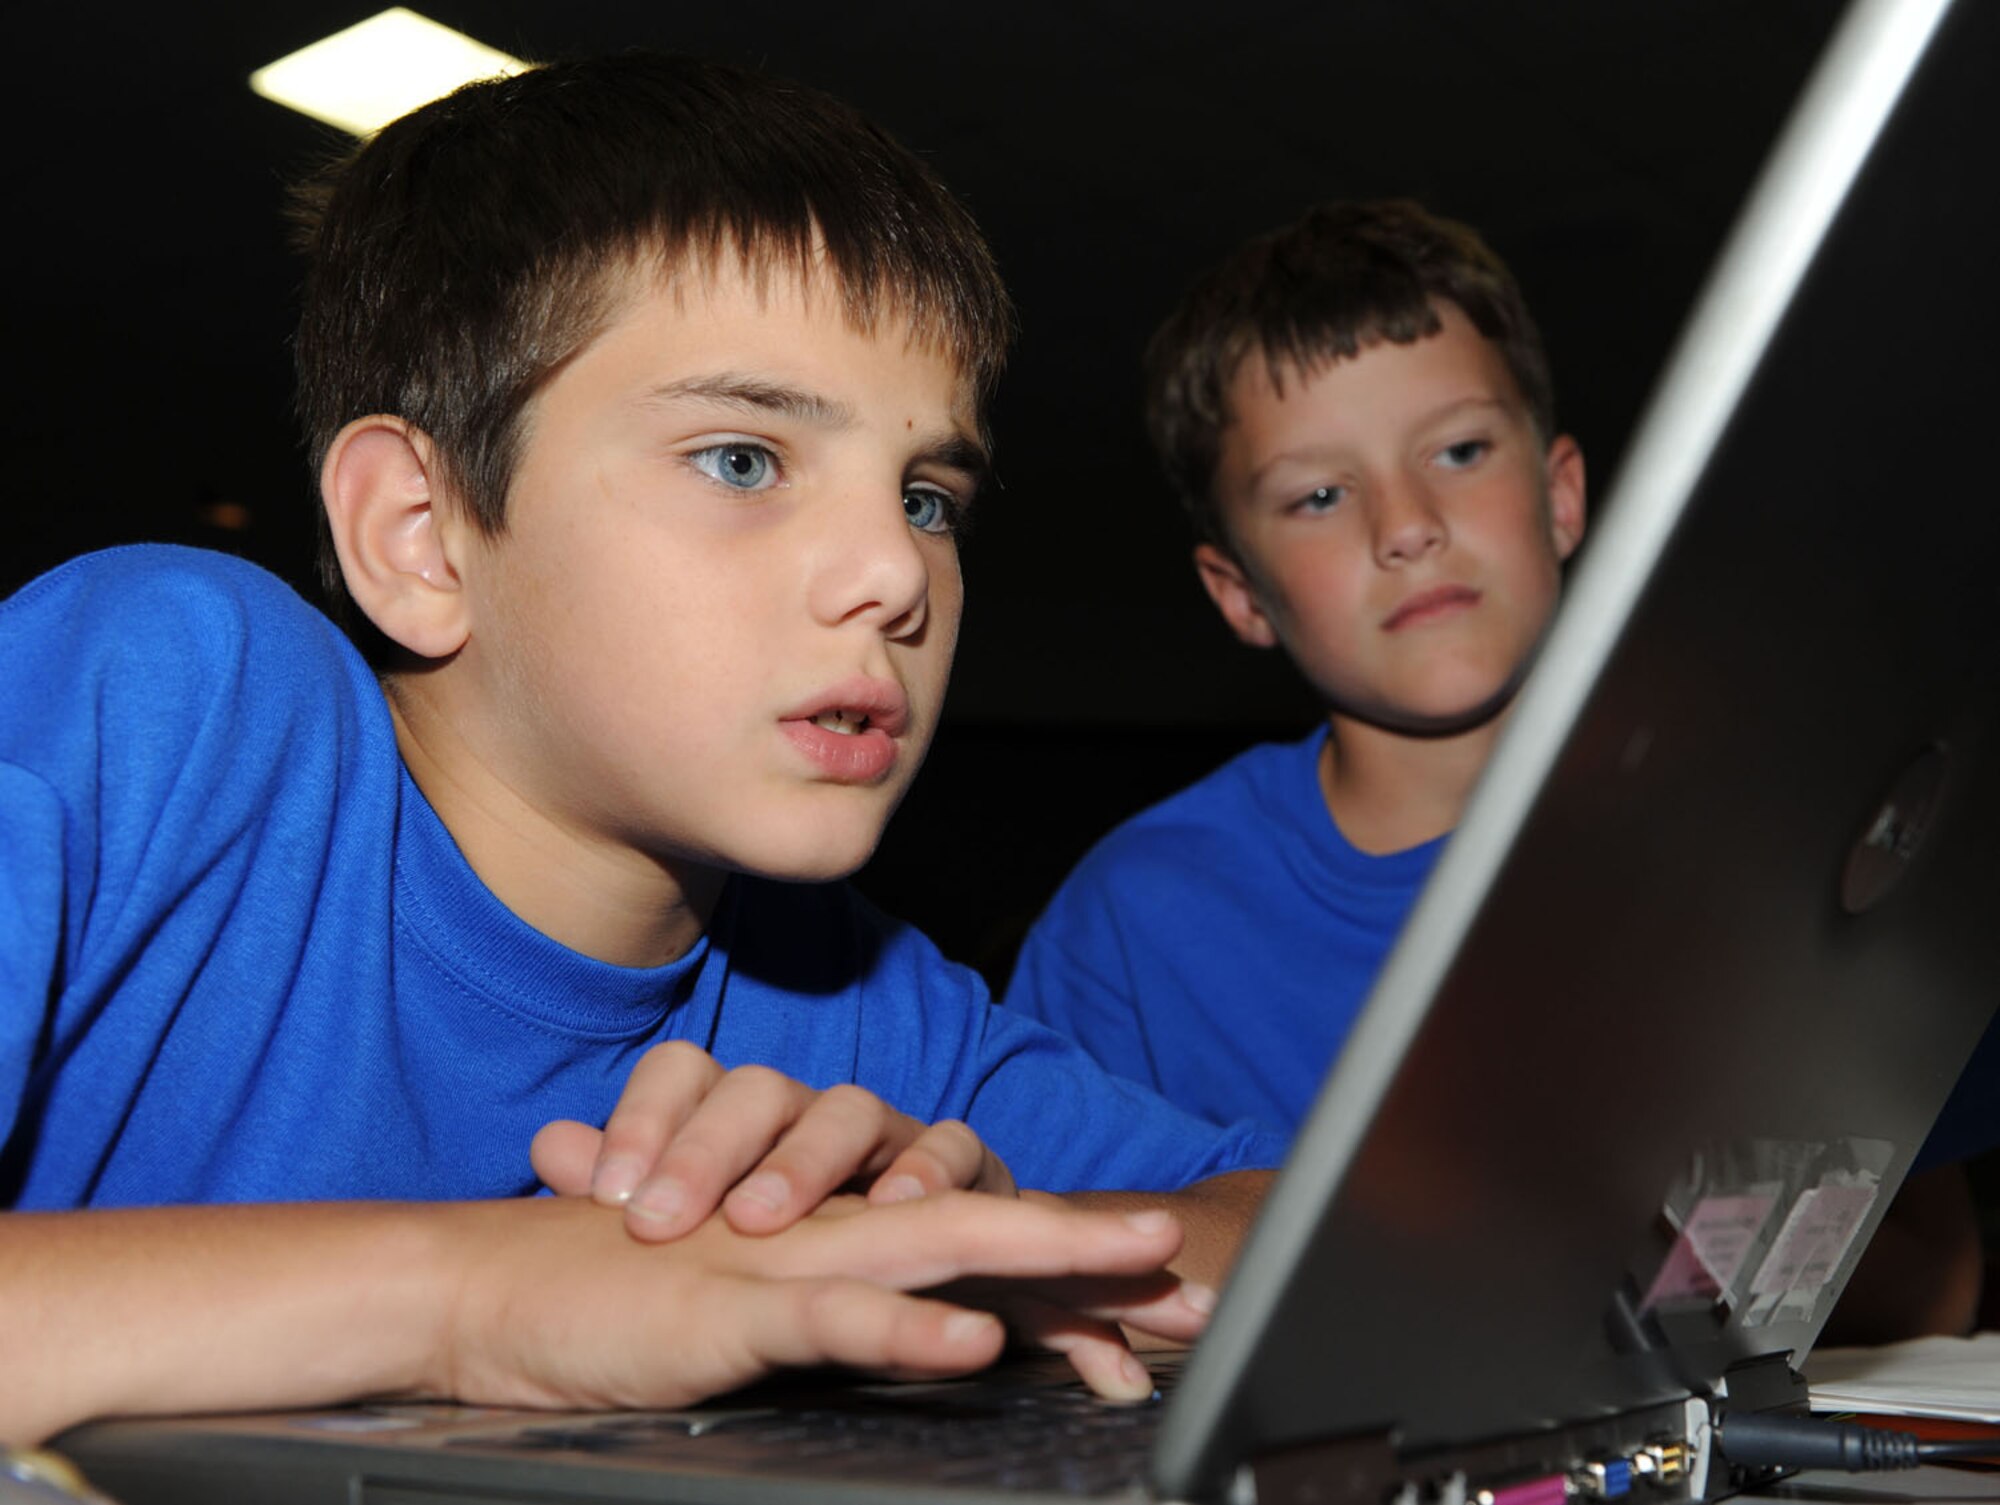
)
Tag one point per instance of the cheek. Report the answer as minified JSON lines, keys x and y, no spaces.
{"x":1312,"y":590}
{"x":603,"y":636}
{"x":948,"y":592}
{"x":1318,"y":633}
{"x":1542,"y":561}
{"x":944,"y":609}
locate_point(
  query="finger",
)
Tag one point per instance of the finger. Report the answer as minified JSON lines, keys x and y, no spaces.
{"x":732,"y":1129}
{"x":564,"y":1153}
{"x":843,"y":1133}
{"x":1159,"y":1305}
{"x":1107,"y":1366}
{"x":945,"y":1155}
{"x":863,"y":1326}
{"x":958,"y":1235}
{"x":666,"y":1086}
{"x":1096,"y":1350}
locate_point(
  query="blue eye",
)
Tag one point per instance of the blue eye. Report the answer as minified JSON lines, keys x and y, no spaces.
{"x":1466,"y":452}
{"x":929,"y":511}
{"x":746,"y":467}
{"x":1320,"y":499}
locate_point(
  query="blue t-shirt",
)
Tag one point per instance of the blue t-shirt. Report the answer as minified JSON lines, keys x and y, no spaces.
{"x":1217,"y":946}
{"x":242,"y":959}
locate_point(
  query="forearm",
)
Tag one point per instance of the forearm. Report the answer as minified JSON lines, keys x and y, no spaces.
{"x":1214,"y":1215}
{"x":216,"y":1308}
{"x":541,"y":1301}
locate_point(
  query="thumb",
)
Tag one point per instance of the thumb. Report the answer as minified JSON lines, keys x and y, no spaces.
{"x":564,"y":1153}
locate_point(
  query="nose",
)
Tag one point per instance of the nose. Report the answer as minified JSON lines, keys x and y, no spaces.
{"x":871,"y":566}
{"x":1406,"y":520}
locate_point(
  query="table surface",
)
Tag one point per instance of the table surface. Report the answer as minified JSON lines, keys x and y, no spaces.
{"x":1905,"y":1487}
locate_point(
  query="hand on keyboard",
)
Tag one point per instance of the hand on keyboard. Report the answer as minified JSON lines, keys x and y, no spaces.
{"x":688,"y":1137}
{"x":562,"y":1308}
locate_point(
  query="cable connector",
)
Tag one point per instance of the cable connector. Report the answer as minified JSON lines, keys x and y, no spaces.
{"x":1789,"y":1440}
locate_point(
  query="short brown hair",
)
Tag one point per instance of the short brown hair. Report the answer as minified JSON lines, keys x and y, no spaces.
{"x":1341,"y":277}
{"x":460,"y":256}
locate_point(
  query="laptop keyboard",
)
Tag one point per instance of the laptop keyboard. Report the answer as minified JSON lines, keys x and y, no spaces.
{"x":1033,"y":1437}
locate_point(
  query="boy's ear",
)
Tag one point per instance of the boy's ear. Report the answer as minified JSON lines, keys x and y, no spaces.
{"x":1230,"y":589}
{"x":396,"y":548}
{"x":1562,"y":468}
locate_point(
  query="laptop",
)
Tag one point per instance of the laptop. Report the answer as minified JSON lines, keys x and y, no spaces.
{"x":1668,"y":1024}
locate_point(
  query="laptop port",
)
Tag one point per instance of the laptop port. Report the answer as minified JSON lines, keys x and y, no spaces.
{"x":1549,"y":1489}
{"x":1608,"y":1479}
{"x":1661,"y":1462}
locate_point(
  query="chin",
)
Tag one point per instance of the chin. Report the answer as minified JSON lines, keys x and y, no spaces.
{"x":822,"y":861}
{"x":821,"y":872}
{"x":1447,"y":716}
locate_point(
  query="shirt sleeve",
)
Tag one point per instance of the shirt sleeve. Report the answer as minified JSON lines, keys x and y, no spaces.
{"x":140,"y":750}
{"x":31,"y":890}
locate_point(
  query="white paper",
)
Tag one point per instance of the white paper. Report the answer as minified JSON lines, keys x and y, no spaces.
{"x":1956,"y":1378}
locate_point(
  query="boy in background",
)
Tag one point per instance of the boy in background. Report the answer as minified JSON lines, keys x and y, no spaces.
{"x":1356,"y":412}
{"x":645,"y":396}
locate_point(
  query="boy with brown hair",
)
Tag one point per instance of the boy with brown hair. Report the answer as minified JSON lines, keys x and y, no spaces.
{"x":645,"y":395}
{"x":1356,"y":412}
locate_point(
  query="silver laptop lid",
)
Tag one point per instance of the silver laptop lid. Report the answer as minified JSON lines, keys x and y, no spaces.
{"x":1707,"y":953}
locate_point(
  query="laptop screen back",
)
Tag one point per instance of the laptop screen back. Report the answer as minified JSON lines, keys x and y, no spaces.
{"x":1720,"y":928}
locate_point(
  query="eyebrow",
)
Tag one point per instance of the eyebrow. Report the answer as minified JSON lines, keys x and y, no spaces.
{"x":960,"y":453}
{"x":1468,"y":404}
{"x":749,"y":394}
{"x":1312,"y":452}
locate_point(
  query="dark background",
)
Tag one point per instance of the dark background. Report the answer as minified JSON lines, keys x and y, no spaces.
{"x":1110,"y":150}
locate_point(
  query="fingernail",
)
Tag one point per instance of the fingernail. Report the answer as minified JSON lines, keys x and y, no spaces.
{"x":767,"y":1189}
{"x":659,"y":1201}
{"x":1135,"y":1374}
{"x":899,"y":1189}
{"x":1198,"y":1296}
{"x":614,"y":1179}
{"x":963,"y":1327}
{"x":1152,"y":1220}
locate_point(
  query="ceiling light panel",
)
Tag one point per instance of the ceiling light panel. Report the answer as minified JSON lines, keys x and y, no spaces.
{"x":364,"y":77}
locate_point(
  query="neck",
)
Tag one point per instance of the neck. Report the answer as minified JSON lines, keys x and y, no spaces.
{"x":593,"y":895}
{"x":1390,"y":790}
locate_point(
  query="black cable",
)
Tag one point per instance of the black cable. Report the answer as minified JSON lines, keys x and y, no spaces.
{"x":1789,"y":1440}
{"x":1939,"y":1452}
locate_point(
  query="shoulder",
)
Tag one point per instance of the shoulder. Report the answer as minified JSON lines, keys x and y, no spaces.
{"x":1227,"y":813}
{"x":157,"y":579}
{"x":1240,"y":790}
{"x":157,"y":609}
{"x":152,"y":672}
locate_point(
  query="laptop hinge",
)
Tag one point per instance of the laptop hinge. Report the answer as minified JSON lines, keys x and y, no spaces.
{"x":1765,"y":1383}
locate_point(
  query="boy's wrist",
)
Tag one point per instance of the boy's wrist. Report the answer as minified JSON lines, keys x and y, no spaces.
{"x":502,"y":1332}
{"x":429,"y":1259}
{"x":471,"y":1255}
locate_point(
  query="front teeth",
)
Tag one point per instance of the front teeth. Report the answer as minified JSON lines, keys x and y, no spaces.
{"x":841,"y":722}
